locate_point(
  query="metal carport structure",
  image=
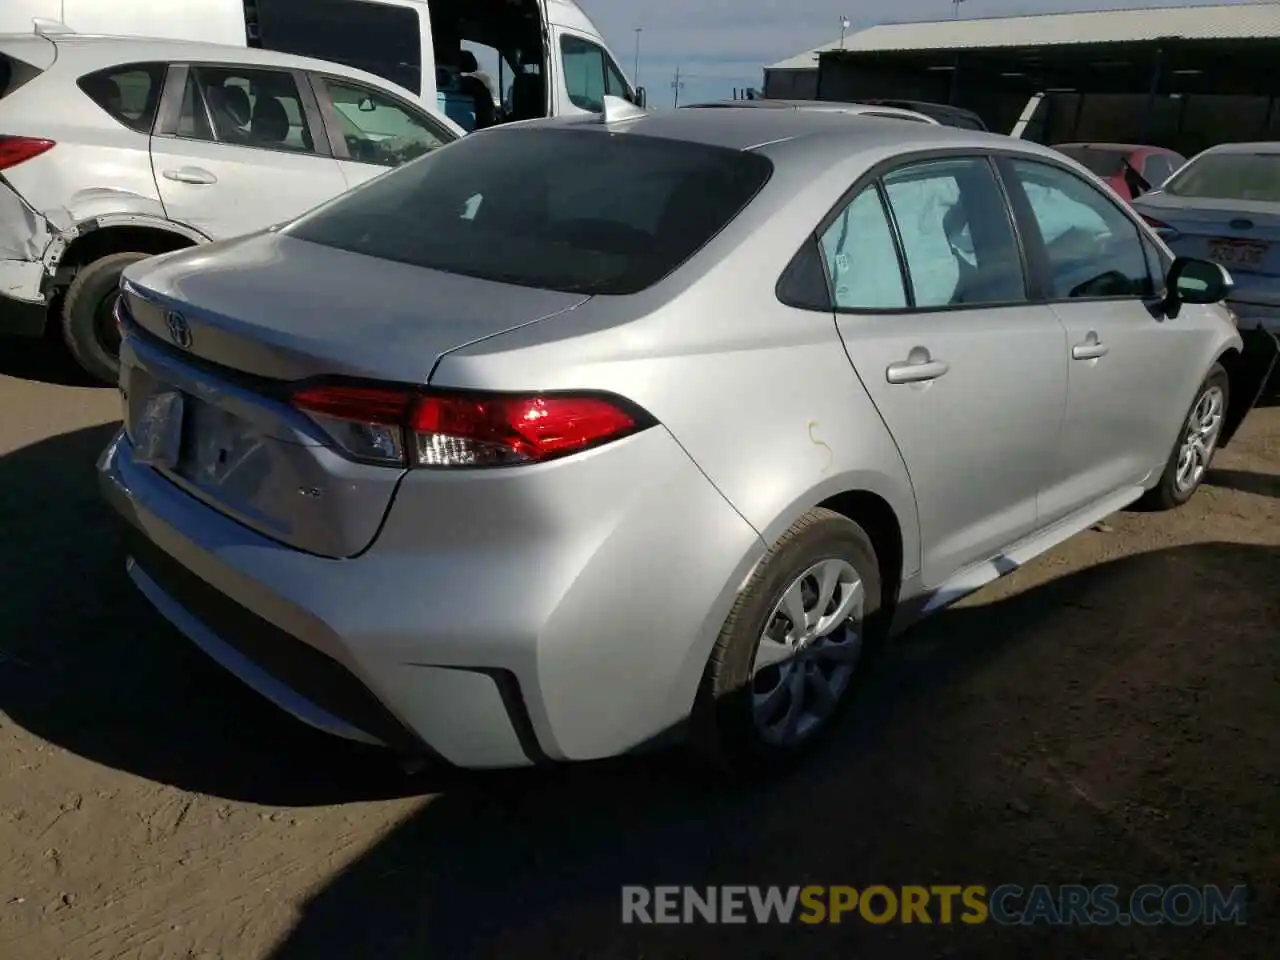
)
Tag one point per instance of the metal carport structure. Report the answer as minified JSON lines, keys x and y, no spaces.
{"x":1183,"y":77}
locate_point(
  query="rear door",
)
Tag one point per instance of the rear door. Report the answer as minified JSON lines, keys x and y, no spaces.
{"x":373,"y":131}
{"x":1130,"y":368}
{"x":968,"y":374}
{"x":241,"y":148}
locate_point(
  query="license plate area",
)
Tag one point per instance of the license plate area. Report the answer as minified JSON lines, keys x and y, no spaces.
{"x":1245,"y":254}
{"x":158,"y":430}
{"x":216,"y":445}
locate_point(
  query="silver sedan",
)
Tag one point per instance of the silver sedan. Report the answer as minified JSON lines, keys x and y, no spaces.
{"x":1224,"y":205}
{"x":580,"y":434}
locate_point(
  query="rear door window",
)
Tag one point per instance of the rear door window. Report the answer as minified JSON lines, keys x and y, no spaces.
{"x":956,"y":234}
{"x":1157,"y":169}
{"x":130,"y":94}
{"x":862,"y":261}
{"x":245,"y":107}
{"x":542,"y":208}
{"x":379,"y":38}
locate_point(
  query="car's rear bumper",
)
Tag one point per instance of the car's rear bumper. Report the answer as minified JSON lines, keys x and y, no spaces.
{"x":487,"y":658}
{"x":1253,"y":314}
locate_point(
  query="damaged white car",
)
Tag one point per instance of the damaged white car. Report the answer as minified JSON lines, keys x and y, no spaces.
{"x":113,"y":150}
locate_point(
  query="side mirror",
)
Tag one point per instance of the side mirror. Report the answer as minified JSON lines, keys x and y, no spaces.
{"x":366,"y":105}
{"x":642,"y":98}
{"x":1197,"y":281}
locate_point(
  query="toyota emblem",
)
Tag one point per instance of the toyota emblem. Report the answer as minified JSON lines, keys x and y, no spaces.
{"x":179,"y":331}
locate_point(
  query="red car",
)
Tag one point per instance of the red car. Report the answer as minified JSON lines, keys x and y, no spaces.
{"x":1130,"y":169}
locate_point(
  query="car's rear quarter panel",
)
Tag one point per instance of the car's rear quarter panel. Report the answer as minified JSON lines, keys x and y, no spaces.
{"x":761,"y":396}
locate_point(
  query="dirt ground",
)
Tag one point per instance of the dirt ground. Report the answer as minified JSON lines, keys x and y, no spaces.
{"x":1109,"y":714}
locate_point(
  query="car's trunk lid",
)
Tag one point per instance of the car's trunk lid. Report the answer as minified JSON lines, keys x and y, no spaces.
{"x":229,"y":340}
{"x":1242,"y":235}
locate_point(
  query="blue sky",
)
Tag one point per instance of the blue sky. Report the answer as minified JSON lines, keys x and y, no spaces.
{"x":722,"y":44}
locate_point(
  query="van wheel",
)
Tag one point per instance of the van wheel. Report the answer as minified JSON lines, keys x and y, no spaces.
{"x":786,"y":660}
{"x":88,"y":316}
{"x":1196,"y":444}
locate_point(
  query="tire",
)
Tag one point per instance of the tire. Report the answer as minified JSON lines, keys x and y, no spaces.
{"x":91,"y":293}
{"x":1171,"y":492}
{"x":726,"y":731}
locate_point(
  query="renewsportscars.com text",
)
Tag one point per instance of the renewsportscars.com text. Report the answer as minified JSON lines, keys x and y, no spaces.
{"x":1008,"y":904}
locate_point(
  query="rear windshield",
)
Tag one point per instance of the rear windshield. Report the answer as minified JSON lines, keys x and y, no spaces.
{"x":572,"y":210}
{"x":1229,"y":176}
{"x":1097,"y":160}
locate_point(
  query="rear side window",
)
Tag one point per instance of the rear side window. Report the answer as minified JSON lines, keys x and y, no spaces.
{"x":1098,"y":161}
{"x":131,"y":94}
{"x":13,"y":74}
{"x":378,"y":38}
{"x":567,"y":210}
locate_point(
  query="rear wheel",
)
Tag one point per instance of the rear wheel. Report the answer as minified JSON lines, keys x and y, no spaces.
{"x":1196,"y":444}
{"x":787,"y":658}
{"x":88,"y":315}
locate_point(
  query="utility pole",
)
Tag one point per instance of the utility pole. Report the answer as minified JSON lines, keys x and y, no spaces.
{"x":635,"y":74}
{"x":955,"y":9}
{"x":844,"y":25}
{"x":677,"y":85}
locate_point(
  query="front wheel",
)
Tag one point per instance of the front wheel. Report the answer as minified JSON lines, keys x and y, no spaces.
{"x":1196,"y":445}
{"x":787,"y":657}
{"x":88,"y":315}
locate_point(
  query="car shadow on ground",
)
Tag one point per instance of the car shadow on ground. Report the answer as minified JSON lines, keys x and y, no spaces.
{"x":86,"y":663}
{"x":1246,"y":481}
{"x":1096,"y":728}
{"x":43,"y":361}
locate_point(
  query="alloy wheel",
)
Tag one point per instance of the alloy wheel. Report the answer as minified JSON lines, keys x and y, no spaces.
{"x":1199,"y":439}
{"x":807,"y":654}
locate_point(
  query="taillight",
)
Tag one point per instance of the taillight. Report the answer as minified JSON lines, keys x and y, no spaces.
{"x":1162,"y":229}
{"x":15,"y":150}
{"x":424,"y":428}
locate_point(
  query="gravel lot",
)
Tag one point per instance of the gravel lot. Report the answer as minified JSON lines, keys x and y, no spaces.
{"x":1109,"y":714}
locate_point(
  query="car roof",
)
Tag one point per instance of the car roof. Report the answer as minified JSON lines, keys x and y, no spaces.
{"x":820,"y":106}
{"x":93,"y":52}
{"x":1103,"y":145}
{"x":1260,"y":146}
{"x":818,"y":132}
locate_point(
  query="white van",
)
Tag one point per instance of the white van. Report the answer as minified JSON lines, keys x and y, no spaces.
{"x":549,"y":58}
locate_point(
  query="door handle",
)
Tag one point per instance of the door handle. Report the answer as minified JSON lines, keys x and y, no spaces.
{"x":1091,"y":349}
{"x":190,"y":175}
{"x":919,"y":367}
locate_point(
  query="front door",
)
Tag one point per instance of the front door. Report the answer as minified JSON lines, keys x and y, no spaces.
{"x":242,"y":152}
{"x":968,"y":375}
{"x":1129,"y":367}
{"x":589,"y":74}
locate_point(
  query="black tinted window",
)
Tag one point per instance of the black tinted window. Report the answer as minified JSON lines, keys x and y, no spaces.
{"x":1229,"y":176}
{"x":381,"y":39}
{"x":247,"y":107}
{"x":1104,"y":163}
{"x":130,"y":94}
{"x":1093,"y":249}
{"x":557,"y":209}
{"x":1158,"y":169}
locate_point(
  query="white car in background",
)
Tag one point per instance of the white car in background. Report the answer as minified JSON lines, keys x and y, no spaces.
{"x":115,"y":149}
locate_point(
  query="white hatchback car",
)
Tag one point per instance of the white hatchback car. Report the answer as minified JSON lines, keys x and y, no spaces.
{"x":115,"y":149}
